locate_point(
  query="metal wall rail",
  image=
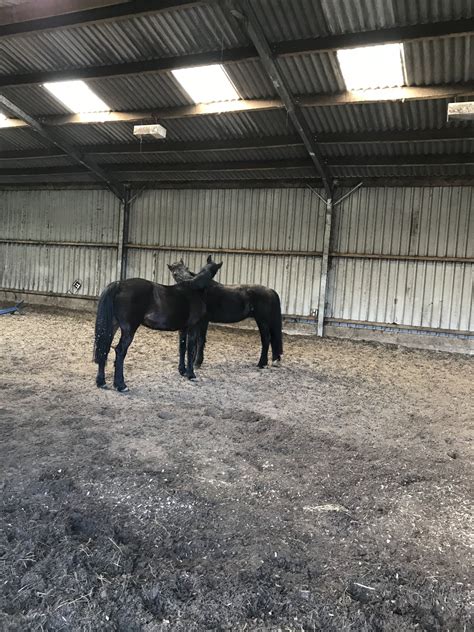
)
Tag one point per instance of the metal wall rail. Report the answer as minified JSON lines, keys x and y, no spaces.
{"x":300,"y":253}
{"x":77,"y":244}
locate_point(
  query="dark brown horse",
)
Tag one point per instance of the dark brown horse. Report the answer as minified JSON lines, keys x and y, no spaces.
{"x":134,"y":302}
{"x":231,"y":304}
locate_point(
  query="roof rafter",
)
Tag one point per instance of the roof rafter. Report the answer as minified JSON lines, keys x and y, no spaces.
{"x":247,"y":165}
{"x":395,"y":136}
{"x":52,"y":137}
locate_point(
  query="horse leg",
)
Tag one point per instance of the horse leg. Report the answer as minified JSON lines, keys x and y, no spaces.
{"x":182,"y":352}
{"x":100,"y":378}
{"x":265,"y":338}
{"x":201,"y":343}
{"x":125,"y":341}
{"x":191,"y":348}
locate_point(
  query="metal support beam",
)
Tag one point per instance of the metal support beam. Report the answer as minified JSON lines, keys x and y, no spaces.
{"x":248,"y":20}
{"x":51,"y":136}
{"x":323,"y":279}
{"x":240,"y":165}
{"x":124,"y":223}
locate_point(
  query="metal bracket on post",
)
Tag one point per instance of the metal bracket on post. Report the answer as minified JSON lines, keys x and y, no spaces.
{"x":346,"y":195}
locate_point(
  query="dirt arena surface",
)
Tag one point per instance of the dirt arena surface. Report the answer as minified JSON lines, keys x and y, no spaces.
{"x":332,"y":493}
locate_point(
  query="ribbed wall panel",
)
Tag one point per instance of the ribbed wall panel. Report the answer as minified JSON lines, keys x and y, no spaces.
{"x":84,"y":216}
{"x":60,"y":215}
{"x":420,"y":221}
{"x":259,"y":219}
{"x":414,"y":293}
{"x":53,"y":269}
{"x":414,"y":222}
{"x":295,"y":278}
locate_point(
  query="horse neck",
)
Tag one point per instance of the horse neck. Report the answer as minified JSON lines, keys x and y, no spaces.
{"x":199,"y":282}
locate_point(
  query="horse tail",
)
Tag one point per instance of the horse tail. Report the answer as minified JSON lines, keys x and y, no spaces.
{"x":104,"y":323}
{"x":276,"y":335}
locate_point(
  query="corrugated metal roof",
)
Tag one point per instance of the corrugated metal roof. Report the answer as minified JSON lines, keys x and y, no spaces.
{"x":263,"y":154}
{"x":400,"y":171}
{"x":18,"y":138}
{"x":174,"y":32}
{"x":425,"y":148}
{"x":230,"y":125}
{"x":444,"y":60}
{"x":389,"y":115}
{"x":203,"y":28}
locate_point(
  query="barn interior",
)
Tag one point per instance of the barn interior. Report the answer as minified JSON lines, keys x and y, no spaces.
{"x":322,"y":148}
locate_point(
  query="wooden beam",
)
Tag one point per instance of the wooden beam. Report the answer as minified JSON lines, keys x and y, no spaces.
{"x":52,"y":137}
{"x":249,"y":23}
{"x":37,"y":16}
{"x":164,"y":147}
{"x":361,"y":97}
{"x":280,"y":49}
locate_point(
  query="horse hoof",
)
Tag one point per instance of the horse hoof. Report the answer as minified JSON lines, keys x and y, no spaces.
{"x":192,"y":376}
{"x":261,"y":366}
{"x":276,"y":363}
{"x":182,"y":371}
{"x":122,"y":389}
{"x":104,"y":385}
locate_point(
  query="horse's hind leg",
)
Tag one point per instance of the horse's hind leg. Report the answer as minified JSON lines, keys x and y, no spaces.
{"x":100,"y":378}
{"x":265,"y":338}
{"x":182,"y":352}
{"x":125,"y":341}
{"x":201,"y":343}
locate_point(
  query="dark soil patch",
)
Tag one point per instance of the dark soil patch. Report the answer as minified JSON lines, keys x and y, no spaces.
{"x":323,"y":495}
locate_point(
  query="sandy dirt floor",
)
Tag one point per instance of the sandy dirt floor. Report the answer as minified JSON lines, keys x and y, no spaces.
{"x":332,"y":493}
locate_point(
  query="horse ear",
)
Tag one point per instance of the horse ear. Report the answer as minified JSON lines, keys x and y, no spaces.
{"x":209,"y":259}
{"x":219,"y":265}
{"x":169,"y":266}
{"x":181,"y":261}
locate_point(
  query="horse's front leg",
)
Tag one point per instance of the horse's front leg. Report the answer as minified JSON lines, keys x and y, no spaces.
{"x":191,"y":348}
{"x":201,"y":343}
{"x":182,"y":352}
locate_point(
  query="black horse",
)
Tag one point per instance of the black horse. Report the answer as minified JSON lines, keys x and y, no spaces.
{"x":134,"y":302}
{"x":231,"y":304}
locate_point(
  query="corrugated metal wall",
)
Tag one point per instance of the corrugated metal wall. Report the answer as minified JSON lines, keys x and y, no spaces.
{"x":267,"y":236}
{"x":407,"y":247}
{"x":399,"y":255}
{"x":37,"y":225}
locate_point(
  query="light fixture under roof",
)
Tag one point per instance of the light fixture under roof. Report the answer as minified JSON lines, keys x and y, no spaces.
{"x":77,"y":96}
{"x":206,"y":84}
{"x":371,"y":67}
